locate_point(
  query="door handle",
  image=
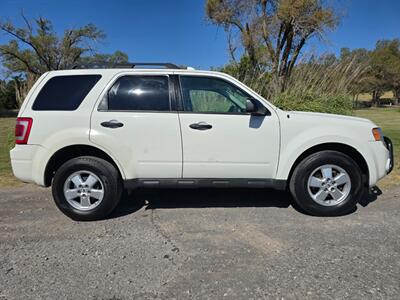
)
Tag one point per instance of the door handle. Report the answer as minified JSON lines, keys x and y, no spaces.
{"x":200,"y":126}
{"x":112,"y":124}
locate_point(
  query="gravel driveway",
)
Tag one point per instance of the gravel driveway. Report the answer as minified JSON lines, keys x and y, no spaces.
{"x":214,"y":244}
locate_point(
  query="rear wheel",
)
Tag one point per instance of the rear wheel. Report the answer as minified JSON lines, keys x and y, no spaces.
{"x":87,"y":188}
{"x":327,"y":183}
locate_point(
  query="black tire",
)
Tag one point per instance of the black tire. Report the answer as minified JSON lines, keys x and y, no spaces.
{"x":109,"y":177}
{"x":299,"y":183}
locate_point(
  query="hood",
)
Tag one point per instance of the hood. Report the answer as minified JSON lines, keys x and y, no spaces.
{"x":328,"y":117}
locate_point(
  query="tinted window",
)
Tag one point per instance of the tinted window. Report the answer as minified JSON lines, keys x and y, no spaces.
{"x":212,"y":95}
{"x":139,"y":93}
{"x":65,"y":92}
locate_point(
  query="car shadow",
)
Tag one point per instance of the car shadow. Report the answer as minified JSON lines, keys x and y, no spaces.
{"x":370,"y":197}
{"x":202,"y":198}
{"x":199,"y":198}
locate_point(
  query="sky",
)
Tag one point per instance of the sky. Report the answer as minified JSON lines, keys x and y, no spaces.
{"x":177,"y":30}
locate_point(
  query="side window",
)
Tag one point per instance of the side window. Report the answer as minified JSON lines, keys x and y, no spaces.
{"x":212,"y":95}
{"x":65,"y":92}
{"x":149,"y":93}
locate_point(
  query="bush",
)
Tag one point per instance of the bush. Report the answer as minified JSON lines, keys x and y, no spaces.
{"x":314,"y":102}
{"x":316,"y":84}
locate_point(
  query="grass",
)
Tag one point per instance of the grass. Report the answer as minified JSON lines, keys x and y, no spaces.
{"x":387,"y":118}
{"x":7,"y":126}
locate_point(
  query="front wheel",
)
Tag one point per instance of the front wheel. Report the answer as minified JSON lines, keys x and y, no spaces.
{"x":87,"y":188}
{"x":327,"y":183}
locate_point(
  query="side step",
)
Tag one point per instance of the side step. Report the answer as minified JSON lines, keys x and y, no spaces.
{"x":205,"y":183}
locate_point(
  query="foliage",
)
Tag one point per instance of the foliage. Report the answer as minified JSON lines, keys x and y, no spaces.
{"x":7,"y":95}
{"x":256,"y":78}
{"x":383,"y":73}
{"x":385,"y":66}
{"x":314,"y":102}
{"x":118,"y":57}
{"x":7,"y":126}
{"x":36,"y":48}
{"x":272,"y":32}
{"x":323,"y":84}
{"x":326,"y":75}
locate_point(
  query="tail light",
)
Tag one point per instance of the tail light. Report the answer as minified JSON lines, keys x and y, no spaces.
{"x":22,"y":130}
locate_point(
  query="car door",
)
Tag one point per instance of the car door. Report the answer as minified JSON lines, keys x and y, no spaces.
{"x":137,"y":124}
{"x":220,"y":139}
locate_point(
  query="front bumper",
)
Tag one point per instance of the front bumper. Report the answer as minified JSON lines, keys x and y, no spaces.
{"x":390,"y":161}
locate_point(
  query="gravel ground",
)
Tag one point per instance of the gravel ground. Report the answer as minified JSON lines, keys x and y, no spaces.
{"x":200,"y":244}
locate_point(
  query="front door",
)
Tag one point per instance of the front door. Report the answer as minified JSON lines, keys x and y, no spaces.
{"x":220,"y":139}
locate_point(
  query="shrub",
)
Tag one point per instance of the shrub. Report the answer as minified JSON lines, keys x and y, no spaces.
{"x":316,"y":84}
{"x":314,"y":102}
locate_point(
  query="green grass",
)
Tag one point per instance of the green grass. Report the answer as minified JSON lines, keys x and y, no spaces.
{"x":7,"y":126}
{"x":389,"y":120}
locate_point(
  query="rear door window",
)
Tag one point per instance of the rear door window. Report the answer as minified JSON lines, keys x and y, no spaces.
{"x":138,"y":93}
{"x":65,"y":92}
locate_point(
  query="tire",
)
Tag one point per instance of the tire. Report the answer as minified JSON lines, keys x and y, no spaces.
{"x":309,"y":184}
{"x":97,"y":194}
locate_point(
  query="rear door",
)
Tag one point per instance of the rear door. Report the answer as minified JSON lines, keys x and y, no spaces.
{"x":137,"y":123}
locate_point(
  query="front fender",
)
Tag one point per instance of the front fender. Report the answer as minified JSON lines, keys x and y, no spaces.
{"x":293,"y":148}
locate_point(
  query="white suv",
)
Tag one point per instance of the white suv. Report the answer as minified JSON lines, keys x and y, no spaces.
{"x":92,"y":132}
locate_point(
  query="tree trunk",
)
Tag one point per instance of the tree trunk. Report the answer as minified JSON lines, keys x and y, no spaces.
{"x":396,"y":98}
{"x":355,"y":100}
{"x":376,"y":98}
{"x":22,"y":88}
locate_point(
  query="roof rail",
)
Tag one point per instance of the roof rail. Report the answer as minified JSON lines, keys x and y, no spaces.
{"x":128,"y":65}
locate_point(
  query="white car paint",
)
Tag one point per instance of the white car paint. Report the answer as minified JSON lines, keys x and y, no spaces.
{"x":161,"y":145}
{"x":238,"y":146}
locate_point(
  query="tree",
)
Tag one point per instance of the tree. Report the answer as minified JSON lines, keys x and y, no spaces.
{"x":385,"y":66}
{"x":360,"y":66}
{"x":36,"y":48}
{"x":118,"y":57}
{"x":273,"y":31}
{"x":7,"y":95}
{"x":383,"y":69}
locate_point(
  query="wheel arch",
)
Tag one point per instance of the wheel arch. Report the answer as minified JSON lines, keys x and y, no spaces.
{"x":339,"y":147}
{"x":64,"y":154}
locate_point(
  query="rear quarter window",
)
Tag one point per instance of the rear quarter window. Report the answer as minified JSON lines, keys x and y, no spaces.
{"x":65,"y":92}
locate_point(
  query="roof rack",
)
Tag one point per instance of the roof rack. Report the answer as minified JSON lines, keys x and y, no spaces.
{"x":128,"y":65}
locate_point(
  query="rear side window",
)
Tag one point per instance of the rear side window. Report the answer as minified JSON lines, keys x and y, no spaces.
{"x":65,"y":92}
{"x":132,"y":93}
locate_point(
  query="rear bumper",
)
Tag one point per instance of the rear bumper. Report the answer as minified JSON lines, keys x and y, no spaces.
{"x":22,"y":161}
{"x":390,"y":160}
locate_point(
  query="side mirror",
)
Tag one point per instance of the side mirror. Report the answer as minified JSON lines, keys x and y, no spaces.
{"x":250,"y":107}
{"x":255,"y":108}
